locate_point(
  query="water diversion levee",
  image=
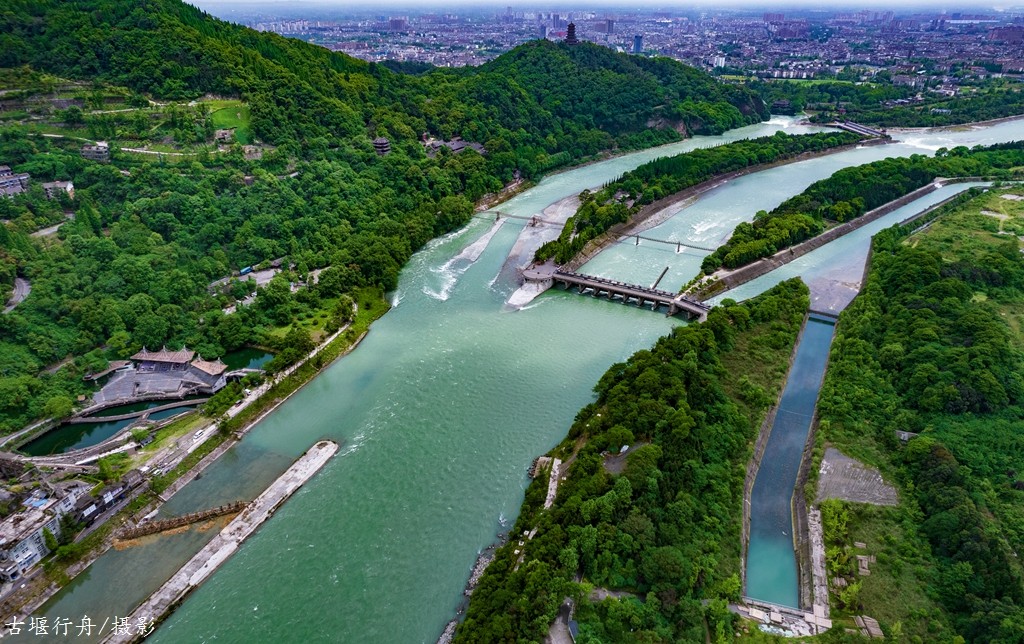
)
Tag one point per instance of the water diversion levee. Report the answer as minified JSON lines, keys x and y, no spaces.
{"x":772,"y":567}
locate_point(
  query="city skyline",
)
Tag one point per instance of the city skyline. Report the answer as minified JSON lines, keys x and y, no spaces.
{"x":623,"y":5}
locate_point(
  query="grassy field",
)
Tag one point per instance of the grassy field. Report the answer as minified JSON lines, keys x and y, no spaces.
{"x":228,"y":114}
{"x":990,"y":446}
{"x":814,"y":81}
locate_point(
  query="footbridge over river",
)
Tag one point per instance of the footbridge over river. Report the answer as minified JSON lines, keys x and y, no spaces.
{"x":537,"y":220}
{"x":549,"y":275}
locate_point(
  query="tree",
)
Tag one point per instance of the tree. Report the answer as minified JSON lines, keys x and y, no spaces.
{"x":58,"y":407}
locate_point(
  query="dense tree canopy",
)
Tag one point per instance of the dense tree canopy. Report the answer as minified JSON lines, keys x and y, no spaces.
{"x":138,"y":264}
{"x":663,"y":524}
{"x":926,"y":348}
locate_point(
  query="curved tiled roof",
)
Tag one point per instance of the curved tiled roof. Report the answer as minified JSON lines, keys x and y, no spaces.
{"x":181,"y":356}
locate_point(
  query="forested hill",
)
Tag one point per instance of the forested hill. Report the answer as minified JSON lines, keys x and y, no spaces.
{"x":155,"y":239}
{"x":550,"y":97}
{"x":624,"y":93}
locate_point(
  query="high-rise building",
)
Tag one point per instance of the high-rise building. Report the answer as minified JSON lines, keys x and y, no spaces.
{"x":638,"y":44}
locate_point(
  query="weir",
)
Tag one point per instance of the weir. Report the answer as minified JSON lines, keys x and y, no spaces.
{"x":548,"y":275}
{"x":360,"y":560}
{"x":772,"y":565}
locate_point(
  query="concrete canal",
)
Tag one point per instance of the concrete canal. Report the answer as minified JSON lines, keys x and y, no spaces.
{"x":771,"y":562}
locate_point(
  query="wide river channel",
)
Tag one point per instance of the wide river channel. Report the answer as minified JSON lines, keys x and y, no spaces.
{"x":440,"y":412}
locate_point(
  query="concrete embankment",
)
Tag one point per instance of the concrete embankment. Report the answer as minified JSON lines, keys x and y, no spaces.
{"x":217,"y":551}
{"x":728,"y":280}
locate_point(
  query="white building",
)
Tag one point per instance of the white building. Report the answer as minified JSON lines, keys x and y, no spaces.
{"x":22,"y":540}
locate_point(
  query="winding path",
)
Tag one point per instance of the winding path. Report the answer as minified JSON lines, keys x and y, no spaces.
{"x":21,"y":290}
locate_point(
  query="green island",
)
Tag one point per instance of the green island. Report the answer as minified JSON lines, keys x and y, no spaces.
{"x":647,"y":542}
{"x":851,"y":192}
{"x":618,"y":201}
{"x":923,"y":384}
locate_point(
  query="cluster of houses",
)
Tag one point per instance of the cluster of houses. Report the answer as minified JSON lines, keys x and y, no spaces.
{"x":14,"y":183}
{"x":23,"y":532}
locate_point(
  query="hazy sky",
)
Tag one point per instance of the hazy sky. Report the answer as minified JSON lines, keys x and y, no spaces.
{"x":569,"y":5}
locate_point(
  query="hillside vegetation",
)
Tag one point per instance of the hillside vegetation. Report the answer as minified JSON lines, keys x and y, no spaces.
{"x":933,"y":345}
{"x":660,"y":525}
{"x":144,"y":260}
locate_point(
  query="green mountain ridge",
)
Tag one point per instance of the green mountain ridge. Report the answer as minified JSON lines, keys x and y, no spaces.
{"x":539,"y":90}
{"x":153,"y":237}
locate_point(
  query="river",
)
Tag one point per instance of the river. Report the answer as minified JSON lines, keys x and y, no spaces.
{"x":439,"y":411}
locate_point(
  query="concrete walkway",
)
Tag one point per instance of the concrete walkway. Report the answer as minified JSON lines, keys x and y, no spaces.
{"x":207,"y":560}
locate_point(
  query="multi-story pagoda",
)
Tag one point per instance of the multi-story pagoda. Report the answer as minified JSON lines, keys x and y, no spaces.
{"x":570,"y":34}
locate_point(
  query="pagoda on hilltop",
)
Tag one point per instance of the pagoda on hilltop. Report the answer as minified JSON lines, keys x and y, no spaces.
{"x":570,"y":34}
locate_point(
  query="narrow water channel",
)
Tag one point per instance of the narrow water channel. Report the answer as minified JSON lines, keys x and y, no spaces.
{"x":439,"y":412}
{"x":771,"y":561}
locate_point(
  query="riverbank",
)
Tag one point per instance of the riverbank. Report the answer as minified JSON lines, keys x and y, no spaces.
{"x":240,"y":420}
{"x":957,"y":127}
{"x":725,"y":280}
{"x":663,"y":209}
{"x":217,"y":551}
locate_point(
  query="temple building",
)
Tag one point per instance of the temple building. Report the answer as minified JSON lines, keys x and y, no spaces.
{"x":570,"y":34}
{"x":196,"y":374}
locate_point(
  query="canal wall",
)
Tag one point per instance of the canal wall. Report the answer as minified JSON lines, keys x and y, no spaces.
{"x":812,"y":592}
{"x":728,"y":280}
{"x":162,"y":602}
{"x":755,"y":463}
{"x":748,"y":486}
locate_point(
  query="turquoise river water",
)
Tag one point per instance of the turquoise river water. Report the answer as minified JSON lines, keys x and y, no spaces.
{"x":440,"y":412}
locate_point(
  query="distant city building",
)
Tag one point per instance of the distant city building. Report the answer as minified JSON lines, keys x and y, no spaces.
{"x":718,"y":61}
{"x":99,"y":152}
{"x":398,"y":24}
{"x":570,"y":35}
{"x":12,"y":183}
{"x":774,"y":17}
{"x":53,"y":188}
{"x":638,"y":44}
{"x":1007,"y":35}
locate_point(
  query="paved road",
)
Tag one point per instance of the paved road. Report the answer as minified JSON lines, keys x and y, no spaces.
{"x":43,"y":232}
{"x":21,"y":290}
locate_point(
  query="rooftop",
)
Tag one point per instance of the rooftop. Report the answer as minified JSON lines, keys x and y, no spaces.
{"x":163,"y":355}
{"x":214,"y":368}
